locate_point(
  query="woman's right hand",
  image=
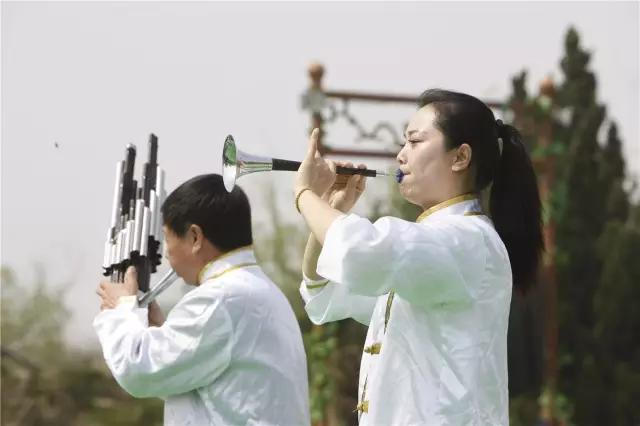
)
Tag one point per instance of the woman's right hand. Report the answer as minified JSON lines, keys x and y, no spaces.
{"x":346,"y":190}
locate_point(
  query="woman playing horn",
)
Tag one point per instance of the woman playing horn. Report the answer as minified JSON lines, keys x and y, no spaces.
{"x":434,"y":293}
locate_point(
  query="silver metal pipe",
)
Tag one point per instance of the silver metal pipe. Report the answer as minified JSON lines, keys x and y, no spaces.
{"x":160,"y":240}
{"x":117,"y":194}
{"x":153,"y":207}
{"x":137,"y":232}
{"x":144,"y":235}
{"x":128,"y":246}
{"x":106,"y":260}
{"x":114,"y":253}
{"x":115,"y":216}
{"x":120,"y":246}
{"x":161,"y":194}
{"x":161,"y":286}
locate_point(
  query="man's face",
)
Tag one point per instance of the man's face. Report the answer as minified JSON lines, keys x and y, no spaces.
{"x":179,"y":253}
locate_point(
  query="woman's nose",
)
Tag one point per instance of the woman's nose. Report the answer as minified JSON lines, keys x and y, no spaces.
{"x":400,"y":158}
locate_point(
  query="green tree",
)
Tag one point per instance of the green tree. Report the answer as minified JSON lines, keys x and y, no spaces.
{"x":594,"y":239}
{"x":592,"y":179}
{"x":616,"y":362}
{"x":612,"y":175}
{"x":47,"y":383}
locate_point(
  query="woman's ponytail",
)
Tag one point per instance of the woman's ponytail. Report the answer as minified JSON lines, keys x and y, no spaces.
{"x":515,"y":207}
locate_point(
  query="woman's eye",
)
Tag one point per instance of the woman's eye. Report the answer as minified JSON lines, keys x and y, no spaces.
{"x":410,"y":142}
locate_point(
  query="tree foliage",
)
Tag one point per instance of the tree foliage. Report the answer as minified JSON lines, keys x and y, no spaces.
{"x":595,"y":238}
{"x":46,"y":382}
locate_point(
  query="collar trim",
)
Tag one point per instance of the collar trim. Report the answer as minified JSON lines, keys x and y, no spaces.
{"x":445,"y":204}
{"x":221,"y":257}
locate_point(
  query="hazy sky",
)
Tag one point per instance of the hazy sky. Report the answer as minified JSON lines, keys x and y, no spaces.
{"x":96,"y":76}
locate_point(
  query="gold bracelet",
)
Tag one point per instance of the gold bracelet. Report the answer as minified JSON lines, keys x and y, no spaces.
{"x":298,"y":197}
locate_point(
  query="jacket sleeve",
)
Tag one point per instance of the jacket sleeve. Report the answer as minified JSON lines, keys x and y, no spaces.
{"x":188,"y":351}
{"x":327,"y":301}
{"x":427,"y":264}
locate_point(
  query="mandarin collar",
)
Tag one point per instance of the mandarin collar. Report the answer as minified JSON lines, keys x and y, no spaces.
{"x":231,"y":259}
{"x":466,"y":204}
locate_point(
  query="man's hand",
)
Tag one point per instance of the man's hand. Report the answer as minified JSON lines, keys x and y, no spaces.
{"x":156,"y":318}
{"x":110,"y":292}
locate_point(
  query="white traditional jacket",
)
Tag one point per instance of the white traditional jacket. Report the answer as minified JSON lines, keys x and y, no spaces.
{"x":436,"y":297}
{"x":229,"y":353}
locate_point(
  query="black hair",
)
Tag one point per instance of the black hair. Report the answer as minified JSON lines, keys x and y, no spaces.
{"x":514,"y":205}
{"x":225,"y":218}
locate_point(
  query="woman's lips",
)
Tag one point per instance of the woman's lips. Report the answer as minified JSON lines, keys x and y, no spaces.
{"x":400,"y":175}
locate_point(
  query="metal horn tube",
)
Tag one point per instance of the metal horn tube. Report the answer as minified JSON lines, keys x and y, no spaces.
{"x":236,"y":163}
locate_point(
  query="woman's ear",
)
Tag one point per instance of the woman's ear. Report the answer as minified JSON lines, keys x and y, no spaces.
{"x":196,"y":236}
{"x":462,"y":159}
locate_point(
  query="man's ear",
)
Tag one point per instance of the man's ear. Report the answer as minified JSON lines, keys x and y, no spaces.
{"x":196,"y":237}
{"x":462,"y":159}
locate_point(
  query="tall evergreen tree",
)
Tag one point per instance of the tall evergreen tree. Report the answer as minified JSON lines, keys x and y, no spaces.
{"x":612,"y":176}
{"x":591,"y":241}
{"x":617,"y":326}
{"x":581,"y":221}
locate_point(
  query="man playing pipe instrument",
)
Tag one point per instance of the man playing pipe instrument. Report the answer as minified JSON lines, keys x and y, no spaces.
{"x":230,"y":352}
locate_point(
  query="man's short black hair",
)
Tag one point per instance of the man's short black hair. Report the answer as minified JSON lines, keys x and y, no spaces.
{"x":225,"y":218}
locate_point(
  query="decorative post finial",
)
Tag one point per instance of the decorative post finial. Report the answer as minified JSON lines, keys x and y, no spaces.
{"x":316,"y":100}
{"x":316,"y":72}
{"x":547,"y":93}
{"x":547,"y":87}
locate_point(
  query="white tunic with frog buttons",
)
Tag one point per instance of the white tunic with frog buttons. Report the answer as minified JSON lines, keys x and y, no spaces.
{"x":436,"y":297}
{"x":229,"y":353}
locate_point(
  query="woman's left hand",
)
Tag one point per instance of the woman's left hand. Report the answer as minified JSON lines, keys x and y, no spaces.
{"x":346,"y":189}
{"x":315,"y":172}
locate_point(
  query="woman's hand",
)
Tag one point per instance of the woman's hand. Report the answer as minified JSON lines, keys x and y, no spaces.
{"x":346,"y":190}
{"x":315,"y":172}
